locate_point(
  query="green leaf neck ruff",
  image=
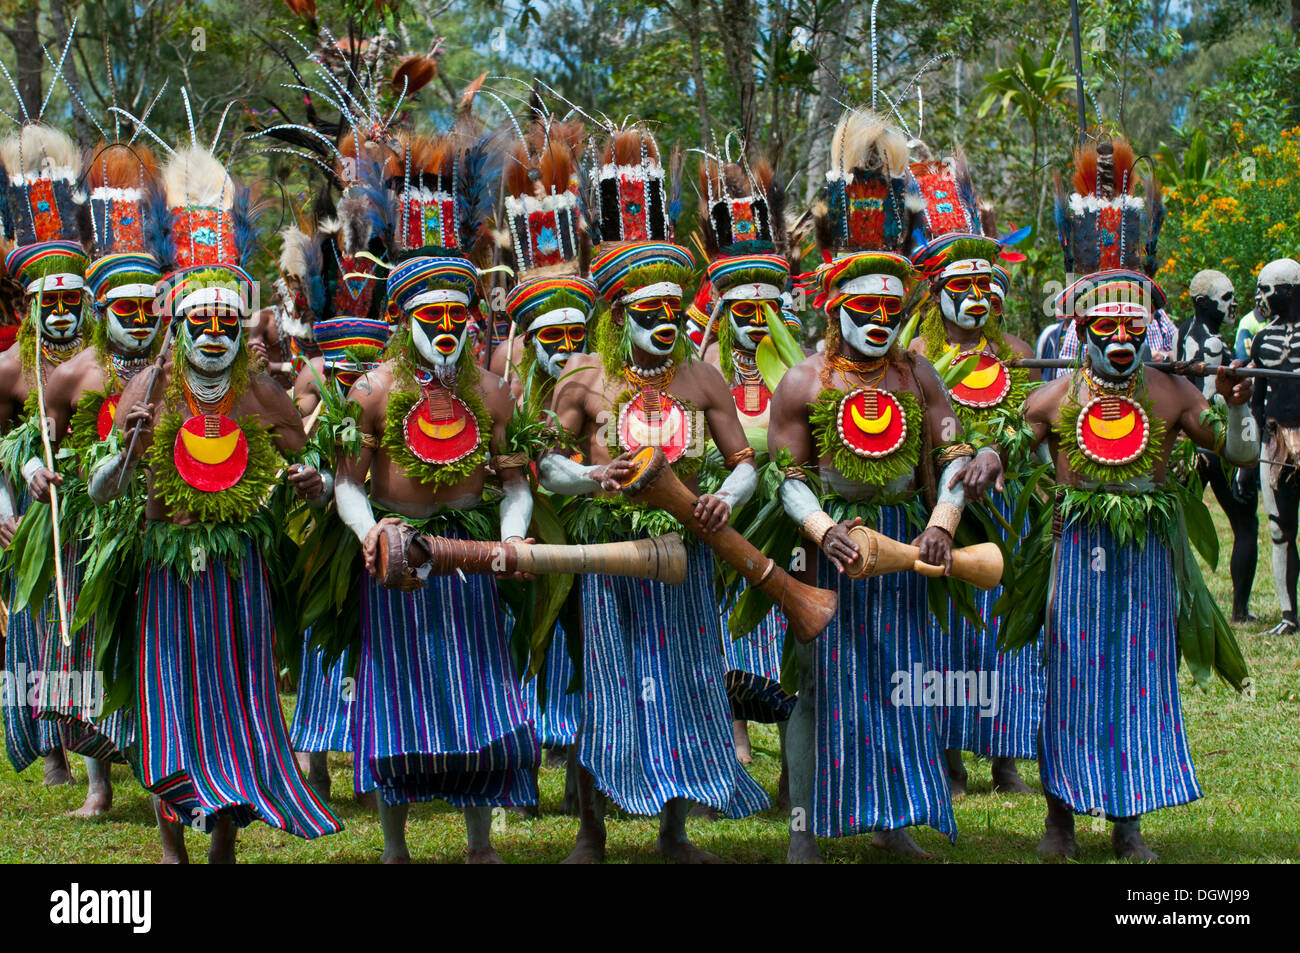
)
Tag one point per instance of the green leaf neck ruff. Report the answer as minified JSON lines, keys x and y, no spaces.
{"x":233,"y":503}
{"x":434,"y":445}
{"x":1111,"y":439}
{"x":868,"y":444}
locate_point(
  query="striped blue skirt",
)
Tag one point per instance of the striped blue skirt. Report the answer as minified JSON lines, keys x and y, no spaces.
{"x":557,"y":720}
{"x":212,"y":735}
{"x":82,"y":728}
{"x":438,"y":709}
{"x":322,"y":717}
{"x":993,"y":719}
{"x":655,"y":719}
{"x":878,"y":758}
{"x":1113,"y":734}
{"x":28,"y":738}
{"x":753,"y":666}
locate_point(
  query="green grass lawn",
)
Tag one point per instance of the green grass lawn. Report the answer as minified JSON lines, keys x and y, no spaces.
{"x":1247,"y":754}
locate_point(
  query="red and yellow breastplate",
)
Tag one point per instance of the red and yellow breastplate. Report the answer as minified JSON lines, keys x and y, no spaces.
{"x":986,"y":385}
{"x":107,"y":415}
{"x":871,"y":422}
{"x":440,"y":428}
{"x":1112,"y":430}
{"x":655,"y":418}
{"x":752,"y":403}
{"x":211,"y":451}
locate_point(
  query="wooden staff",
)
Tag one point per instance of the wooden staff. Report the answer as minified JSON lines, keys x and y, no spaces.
{"x":59,"y":588}
{"x":1183,"y":368}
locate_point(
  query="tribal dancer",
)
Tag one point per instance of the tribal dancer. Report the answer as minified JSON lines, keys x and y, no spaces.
{"x":81,"y":401}
{"x":861,"y":421}
{"x":438,"y":710}
{"x":328,"y":281}
{"x":1276,"y":409}
{"x":654,"y":732}
{"x":550,"y":308}
{"x":957,"y":261}
{"x":1214,"y":304}
{"x":42,"y":190}
{"x":742,"y":209}
{"x":1113,"y":742}
{"x":212,"y":431}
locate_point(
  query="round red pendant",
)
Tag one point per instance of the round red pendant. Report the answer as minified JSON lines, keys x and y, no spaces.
{"x":670,"y":429}
{"x":211,"y":452}
{"x":107,"y":414}
{"x":450,"y":438}
{"x":868,"y":431}
{"x":751,"y":399}
{"x":985,"y":386}
{"x":1112,"y":437}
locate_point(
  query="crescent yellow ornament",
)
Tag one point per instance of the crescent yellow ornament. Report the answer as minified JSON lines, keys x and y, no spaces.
{"x":1113,"y":429}
{"x":979,"y":380}
{"x":210,"y":450}
{"x":441,"y":431}
{"x":878,"y":425}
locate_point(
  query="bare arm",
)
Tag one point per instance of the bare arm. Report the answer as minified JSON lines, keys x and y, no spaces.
{"x":714,"y":509}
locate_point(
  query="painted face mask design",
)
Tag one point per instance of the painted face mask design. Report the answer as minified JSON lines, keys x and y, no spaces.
{"x":214,"y":332}
{"x":131,"y":323}
{"x":870,"y":322}
{"x":60,"y":313}
{"x":439,"y":331}
{"x":654,"y":324}
{"x":556,"y":336}
{"x":1116,"y":333}
{"x":1275,"y":289}
{"x":965,"y":297}
{"x":748,"y":319}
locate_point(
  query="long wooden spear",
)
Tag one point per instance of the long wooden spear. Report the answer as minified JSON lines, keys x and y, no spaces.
{"x":59,"y":588}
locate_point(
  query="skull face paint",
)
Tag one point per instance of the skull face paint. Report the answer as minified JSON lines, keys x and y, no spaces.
{"x":871,"y":313}
{"x":556,"y":336}
{"x":440,"y":329}
{"x":214,"y":333}
{"x":59,"y":310}
{"x":1275,"y":288}
{"x":1116,"y":333}
{"x":965,"y":293}
{"x":654,"y":323}
{"x":131,"y":322}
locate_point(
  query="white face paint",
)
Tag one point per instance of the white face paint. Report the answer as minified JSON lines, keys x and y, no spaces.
{"x":59,"y":301}
{"x":654,"y":323}
{"x":965,"y":292}
{"x":214,"y":332}
{"x":870,"y":313}
{"x":440,"y":328}
{"x":131,"y":327}
{"x":1276,"y":284}
{"x":556,"y":336}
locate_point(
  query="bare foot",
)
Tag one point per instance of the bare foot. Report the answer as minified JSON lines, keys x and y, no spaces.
{"x":804,"y":850}
{"x":320,"y":785}
{"x":1130,"y":846}
{"x":1006,"y":779}
{"x":586,"y":851}
{"x":740,"y":738}
{"x":557,"y":757}
{"x":684,"y":852}
{"x":367,"y":799}
{"x":1057,"y":842}
{"x":395,"y":856}
{"x":99,"y":798}
{"x":487,"y":855}
{"x":899,"y":842}
{"x":56,"y":769}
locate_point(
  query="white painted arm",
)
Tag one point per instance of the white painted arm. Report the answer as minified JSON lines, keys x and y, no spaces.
{"x":516,"y":509}
{"x":354,"y":508}
{"x":1241,"y":441}
{"x":739,"y":485}
{"x":561,"y":475}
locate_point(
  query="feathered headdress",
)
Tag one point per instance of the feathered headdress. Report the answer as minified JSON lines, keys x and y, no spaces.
{"x":1102,"y":224}
{"x":637,"y":199}
{"x":542,"y":214}
{"x":864,"y":206}
{"x":742,"y":208}
{"x":943,"y":194}
{"x":128,"y":219}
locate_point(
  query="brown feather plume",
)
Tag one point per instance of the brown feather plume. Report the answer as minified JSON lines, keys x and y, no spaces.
{"x":121,"y":167}
{"x":624,"y":147}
